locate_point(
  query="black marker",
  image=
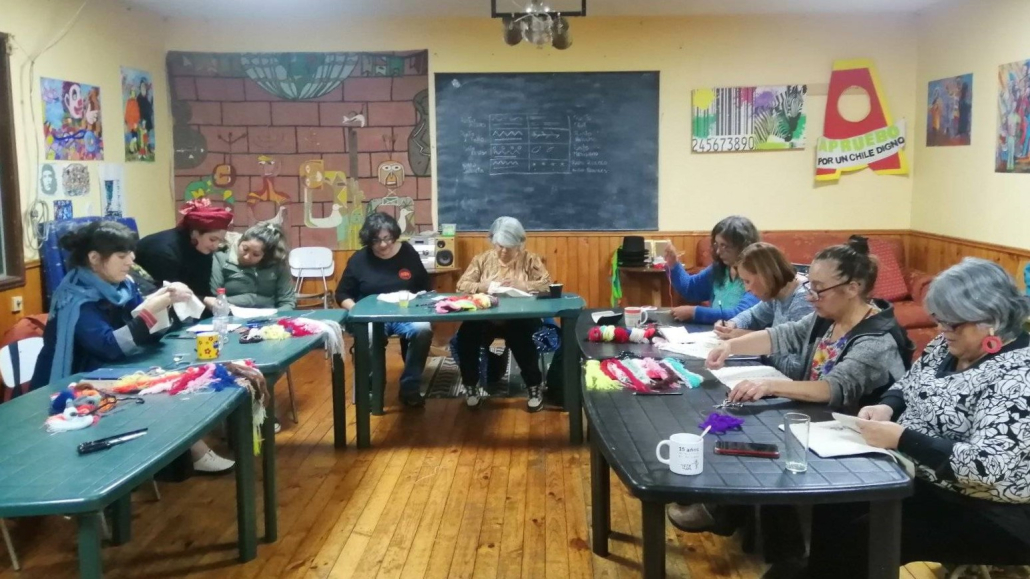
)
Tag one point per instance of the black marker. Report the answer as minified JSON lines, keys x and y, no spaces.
{"x":106,"y":443}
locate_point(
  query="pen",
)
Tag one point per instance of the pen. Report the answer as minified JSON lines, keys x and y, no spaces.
{"x":106,"y":443}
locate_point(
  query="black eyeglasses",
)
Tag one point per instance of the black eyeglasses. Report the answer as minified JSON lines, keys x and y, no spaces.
{"x":950,"y":326}
{"x":383,"y":241}
{"x":817,"y":294}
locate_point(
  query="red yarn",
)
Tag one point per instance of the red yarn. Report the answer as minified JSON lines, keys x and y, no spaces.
{"x":594,"y":335}
{"x":621,"y":335}
{"x":649,"y":333}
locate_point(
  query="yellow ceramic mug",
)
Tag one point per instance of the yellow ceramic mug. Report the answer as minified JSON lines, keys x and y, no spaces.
{"x":207,"y":346}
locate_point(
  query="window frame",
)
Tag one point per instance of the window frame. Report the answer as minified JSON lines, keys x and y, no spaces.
{"x":10,"y":203}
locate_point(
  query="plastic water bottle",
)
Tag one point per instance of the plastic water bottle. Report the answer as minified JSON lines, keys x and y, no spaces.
{"x":221,"y":320}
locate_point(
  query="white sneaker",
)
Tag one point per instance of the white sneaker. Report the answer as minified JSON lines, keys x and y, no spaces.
{"x":211,"y":463}
{"x":277,"y":427}
{"x":536,"y":398}
{"x":473,"y":396}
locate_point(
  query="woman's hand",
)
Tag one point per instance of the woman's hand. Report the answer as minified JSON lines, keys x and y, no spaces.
{"x":877,"y":413}
{"x":683,"y":313}
{"x":881,"y":434}
{"x":724,"y":330}
{"x":717,"y":357}
{"x":515,"y":283}
{"x":210,"y":303}
{"x":752,"y":390}
{"x":179,"y":291}
{"x":158,"y":301}
{"x":670,"y":255}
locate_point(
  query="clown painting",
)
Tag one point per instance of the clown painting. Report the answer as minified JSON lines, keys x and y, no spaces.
{"x":72,"y":129}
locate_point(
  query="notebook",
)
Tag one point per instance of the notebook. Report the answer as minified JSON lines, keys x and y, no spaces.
{"x":833,"y":439}
{"x":733,"y":375}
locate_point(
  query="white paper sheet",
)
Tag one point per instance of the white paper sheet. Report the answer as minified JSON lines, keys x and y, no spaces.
{"x":849,"y":422}
{"x":597,"y":316}
{"x":248,"y":313}
{"x":396,"y":297}
{"x":733,"y":375}
{"x":831,"y":439}
{"x":496,"y":289}
{"x":675,"y":334}
{"x":211,"y":327}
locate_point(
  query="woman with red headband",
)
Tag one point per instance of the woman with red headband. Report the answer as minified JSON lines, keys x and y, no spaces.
{"x":184,"y":253}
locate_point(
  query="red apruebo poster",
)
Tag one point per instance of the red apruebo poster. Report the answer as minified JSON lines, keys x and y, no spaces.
{"x":875,"y":141}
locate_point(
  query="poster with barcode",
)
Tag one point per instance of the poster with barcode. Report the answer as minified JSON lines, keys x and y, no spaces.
{"x":754,"y":118}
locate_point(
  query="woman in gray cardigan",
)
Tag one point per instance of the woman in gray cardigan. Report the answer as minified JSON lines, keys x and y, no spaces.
{"x":768,"y":274}
{"x":962,"y":414}
{"x":253,"y":270}
{"x":853,"y":347}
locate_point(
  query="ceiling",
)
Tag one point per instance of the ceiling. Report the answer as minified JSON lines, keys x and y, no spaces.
{"x":261,"y":9}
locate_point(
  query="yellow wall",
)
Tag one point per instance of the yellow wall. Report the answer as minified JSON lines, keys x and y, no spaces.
{"x":106,"y":36}
{"x":957,"y":192}
{"x":776,"y":188}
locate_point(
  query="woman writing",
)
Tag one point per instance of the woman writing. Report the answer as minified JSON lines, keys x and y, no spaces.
{"x":509,"y":264}
{"x":769,"y":276}
{"x":184,"y":254}
{"x":98,"y":317}
{"x":717,"y":284}
{"x":385,"y":264}
{"x":853,"y":348}
{"x":253,"y":269}
{"x":962,"y":414}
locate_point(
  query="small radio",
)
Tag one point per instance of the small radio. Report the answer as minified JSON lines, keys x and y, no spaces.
{"x":436,"y":252}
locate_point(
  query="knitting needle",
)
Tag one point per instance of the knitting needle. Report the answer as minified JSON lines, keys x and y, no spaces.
{"x":707,"y":428}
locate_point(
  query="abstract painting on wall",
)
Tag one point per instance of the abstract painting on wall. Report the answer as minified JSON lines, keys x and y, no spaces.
{"x":72,"y":127}
{"x":1013,"y":149}
{"x":949,"y":111}
{"x":755,"y":118}
{"x":138,"y":108}
{"x":319,"y":139}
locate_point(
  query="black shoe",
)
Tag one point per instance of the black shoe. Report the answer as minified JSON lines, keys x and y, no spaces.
{"x":536,"y":398}
{"x":412,"y":399}
{"x":474,"y":396}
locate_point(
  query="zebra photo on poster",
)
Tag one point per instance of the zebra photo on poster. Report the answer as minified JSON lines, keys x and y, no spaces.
{"x":753,"y":118}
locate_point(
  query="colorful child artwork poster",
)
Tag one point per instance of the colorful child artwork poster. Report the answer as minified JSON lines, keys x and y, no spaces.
{"x":949,"y":111}
{"x":138,"y":106}
{"x":62,"y":209}
{"x":72,"y":127}
{"x":755,"y":118}
{"x":1013,"y":118}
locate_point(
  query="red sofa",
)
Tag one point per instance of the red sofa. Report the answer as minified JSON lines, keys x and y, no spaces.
{"x":801,"y":247}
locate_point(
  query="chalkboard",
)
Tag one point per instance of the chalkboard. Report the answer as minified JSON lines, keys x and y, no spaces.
{"x":558,"y":151}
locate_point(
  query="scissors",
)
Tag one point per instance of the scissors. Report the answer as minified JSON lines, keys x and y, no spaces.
{"x":730,"y":405}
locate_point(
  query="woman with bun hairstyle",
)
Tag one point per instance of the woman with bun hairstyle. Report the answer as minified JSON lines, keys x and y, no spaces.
{"x":852,"y":346}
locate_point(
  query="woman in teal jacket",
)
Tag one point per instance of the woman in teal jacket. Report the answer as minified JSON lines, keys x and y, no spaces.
{"x":253,"y":270}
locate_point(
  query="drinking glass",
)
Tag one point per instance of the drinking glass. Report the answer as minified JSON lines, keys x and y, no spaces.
{"x":795,"y":441}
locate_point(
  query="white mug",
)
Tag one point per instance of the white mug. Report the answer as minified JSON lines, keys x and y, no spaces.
{"x":636,"y":316}
{"x":686,"y":453}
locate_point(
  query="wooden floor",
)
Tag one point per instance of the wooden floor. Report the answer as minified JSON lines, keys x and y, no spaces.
{"x":444,"y":492}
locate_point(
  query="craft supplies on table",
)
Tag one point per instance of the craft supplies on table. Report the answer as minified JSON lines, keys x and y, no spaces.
{"x":641,"y":375}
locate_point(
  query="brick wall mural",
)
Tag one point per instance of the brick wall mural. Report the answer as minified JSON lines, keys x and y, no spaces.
{"x":319,"y":139}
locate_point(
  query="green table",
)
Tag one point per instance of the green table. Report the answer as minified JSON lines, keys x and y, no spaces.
{"x":42,"y":474}
{"x":272,"y":358}
{"x":371,"y":311}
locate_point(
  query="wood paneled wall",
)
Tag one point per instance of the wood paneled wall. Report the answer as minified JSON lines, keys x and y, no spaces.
{"x":934,"y":253}
{"x":31,"y":293}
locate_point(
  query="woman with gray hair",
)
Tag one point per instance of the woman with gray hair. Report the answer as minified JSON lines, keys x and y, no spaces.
{"x":507,"y":264}
{"x":253,"y":269}
{"x":962,"y":414}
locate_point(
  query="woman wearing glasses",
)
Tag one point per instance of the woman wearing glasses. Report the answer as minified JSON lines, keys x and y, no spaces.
{"x":509,"y":264}
{"x":962,"y":414}
{"x":853,"y":346}
{"x":717,"y":284}
{"x":385,"y":265}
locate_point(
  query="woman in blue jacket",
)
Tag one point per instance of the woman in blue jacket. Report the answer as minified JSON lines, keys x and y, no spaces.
{"x":717,"y":284}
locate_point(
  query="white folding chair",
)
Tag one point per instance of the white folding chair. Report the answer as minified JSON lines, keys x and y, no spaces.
{"x":312,"y":263}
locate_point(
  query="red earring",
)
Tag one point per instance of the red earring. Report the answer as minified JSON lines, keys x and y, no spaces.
{"x":991,"y":343}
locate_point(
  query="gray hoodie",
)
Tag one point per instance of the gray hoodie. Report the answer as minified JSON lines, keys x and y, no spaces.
{"x":876,"y":354}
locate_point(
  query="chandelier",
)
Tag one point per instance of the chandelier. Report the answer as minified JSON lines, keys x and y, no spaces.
{"x":537,"y":24}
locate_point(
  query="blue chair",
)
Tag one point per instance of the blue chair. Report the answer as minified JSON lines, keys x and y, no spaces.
{"x":52,"y":257}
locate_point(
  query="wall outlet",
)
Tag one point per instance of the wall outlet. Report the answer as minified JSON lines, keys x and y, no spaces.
{"x":16,"y":304}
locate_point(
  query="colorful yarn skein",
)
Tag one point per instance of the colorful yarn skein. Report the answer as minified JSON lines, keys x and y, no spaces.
{"x":596,"y":379}
{"x":620,"y":334}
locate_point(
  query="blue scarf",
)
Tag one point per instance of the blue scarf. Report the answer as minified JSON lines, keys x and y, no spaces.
{"x":80,"y":286}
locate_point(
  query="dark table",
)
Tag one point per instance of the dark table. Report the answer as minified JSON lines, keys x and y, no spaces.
{"x":626,"y":428}
{"x":41,"y":473}
{"x":273,"y":358}
{"x":369,"y":358}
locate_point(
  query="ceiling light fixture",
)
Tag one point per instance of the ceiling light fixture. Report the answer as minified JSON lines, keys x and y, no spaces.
{"x":537,"y":24}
